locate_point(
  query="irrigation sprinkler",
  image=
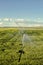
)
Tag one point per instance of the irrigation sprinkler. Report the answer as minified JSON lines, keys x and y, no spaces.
{"x":21,"y":52}
{"x":21,"y":31}
{"x":25,"y":39}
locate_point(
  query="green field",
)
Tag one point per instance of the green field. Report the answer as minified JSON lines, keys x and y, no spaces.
{"x":10,"y":44}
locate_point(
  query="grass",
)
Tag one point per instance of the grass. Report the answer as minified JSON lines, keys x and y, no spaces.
{"x":10,"y":44}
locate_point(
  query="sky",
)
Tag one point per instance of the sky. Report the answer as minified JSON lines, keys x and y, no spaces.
{"x":21,"y":10}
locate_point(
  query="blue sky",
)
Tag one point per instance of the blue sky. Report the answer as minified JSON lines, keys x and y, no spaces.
{"x":22,"y":9}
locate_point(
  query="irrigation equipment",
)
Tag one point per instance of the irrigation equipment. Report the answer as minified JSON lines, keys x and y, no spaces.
{"x":24,"y":39}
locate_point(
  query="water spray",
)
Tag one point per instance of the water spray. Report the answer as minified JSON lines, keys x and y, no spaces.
{"x":25,"y":39}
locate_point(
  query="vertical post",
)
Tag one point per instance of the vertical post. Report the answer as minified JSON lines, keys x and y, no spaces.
{"x":21,"y":52}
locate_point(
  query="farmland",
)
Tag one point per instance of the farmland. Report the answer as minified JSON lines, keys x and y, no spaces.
{"x":10,"y":44}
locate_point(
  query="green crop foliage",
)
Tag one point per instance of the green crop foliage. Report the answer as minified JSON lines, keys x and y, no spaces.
{"x":11,"y":43}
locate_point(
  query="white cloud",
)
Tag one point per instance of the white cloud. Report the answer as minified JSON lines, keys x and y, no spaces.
{"x":13,"y":24}
{"x":19,"y":20}
{"x":39,"y":20}
{"x":6,"y":19}
{"x":36,"y":25}
{"x":0,"y":19}
{"x":17,"y":23}
{"x":27,"y":25}
{"x":1,"y":23}
{"x":10,"y":19}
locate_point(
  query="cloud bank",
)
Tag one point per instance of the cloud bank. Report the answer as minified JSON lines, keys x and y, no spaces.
{"x":12,"y":22}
